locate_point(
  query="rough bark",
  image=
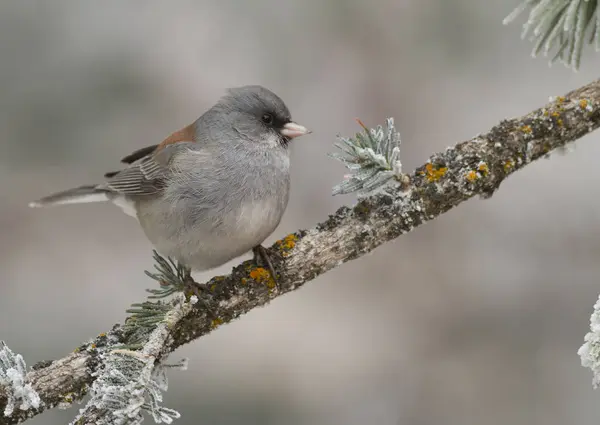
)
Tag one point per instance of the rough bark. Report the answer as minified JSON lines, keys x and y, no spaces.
{"x":474,"y":167}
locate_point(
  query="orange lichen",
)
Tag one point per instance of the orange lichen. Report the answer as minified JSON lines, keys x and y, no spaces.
{"x":259,"y":274}
{"x":559,"y":122}
{"x":483,"y":167}
{"x":215,"y":322}
{"x":288,"y":243}
{"x":526,"y":129}
{"x":508,"y":165}
{"x":262,"y":275}
{"x":434,"y":175}
{"x":555,"y":114}
{"x":583,"y":103}
{"x":560,"y":99}
{"x":243,"y":280}
{"x":471,"y":176}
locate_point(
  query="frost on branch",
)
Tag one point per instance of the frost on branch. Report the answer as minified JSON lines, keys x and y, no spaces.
{"x":12,"y":377}
{"x":560,"y":24}
{"x":131,"y":382}
{"x":372,"y":156}
{"x":590,"y":350}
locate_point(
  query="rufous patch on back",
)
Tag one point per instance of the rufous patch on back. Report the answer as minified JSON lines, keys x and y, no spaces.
{"x":186,"y":134}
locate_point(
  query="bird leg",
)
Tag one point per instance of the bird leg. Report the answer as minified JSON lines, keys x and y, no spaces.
{"x":200,"y":290}
{"x":261,"y":256}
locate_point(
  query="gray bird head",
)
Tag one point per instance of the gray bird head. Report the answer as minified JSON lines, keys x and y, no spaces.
{"x":257,"y":115}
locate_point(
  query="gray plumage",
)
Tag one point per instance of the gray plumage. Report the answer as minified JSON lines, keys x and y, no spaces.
{"x":208,"y":200}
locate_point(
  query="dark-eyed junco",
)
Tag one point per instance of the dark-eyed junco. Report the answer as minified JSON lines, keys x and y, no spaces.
{"x":211,"y":191}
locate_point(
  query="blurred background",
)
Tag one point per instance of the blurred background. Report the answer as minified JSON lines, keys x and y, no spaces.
{"x":475,"y":318}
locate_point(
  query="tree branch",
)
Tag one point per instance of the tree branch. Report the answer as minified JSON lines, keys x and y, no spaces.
{"x":474,"y":167}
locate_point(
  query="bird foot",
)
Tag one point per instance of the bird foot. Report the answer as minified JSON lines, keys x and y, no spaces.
{"x":201,"y":291}
{"x":261,"y":257}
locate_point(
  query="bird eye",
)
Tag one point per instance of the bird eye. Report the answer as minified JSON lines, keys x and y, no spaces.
{"x":267,"y":119}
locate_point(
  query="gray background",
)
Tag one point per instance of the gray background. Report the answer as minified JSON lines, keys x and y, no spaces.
{"x":475,"y":318}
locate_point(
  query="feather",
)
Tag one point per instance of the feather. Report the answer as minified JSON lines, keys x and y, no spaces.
{"x":78,"y":195}
{"x":137,"y":155}
{"x":144,"y":177}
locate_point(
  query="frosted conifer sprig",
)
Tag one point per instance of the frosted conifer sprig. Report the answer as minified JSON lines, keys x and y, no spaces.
{"x":133,"y":376}
{"x":131,"y":382}
{"x":144,"y":317}
{"x":590,"y":350}
{"x":560,"y":25}
{"x":171,"y":276}
{"x":373,"y":156}
{"x":12,"y":378}
{"x":143,"y":320}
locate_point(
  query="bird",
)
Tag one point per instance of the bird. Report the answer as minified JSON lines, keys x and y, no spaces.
{"x":211,"y":191}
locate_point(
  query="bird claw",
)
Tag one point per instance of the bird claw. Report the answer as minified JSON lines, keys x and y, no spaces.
{"x":201,"y":291}
{"x":261,"y":256}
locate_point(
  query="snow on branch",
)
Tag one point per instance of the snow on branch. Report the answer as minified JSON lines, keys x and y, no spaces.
{"x":471,"y":168}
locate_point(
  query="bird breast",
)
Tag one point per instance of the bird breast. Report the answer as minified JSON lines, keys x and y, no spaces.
{"x":255,"y":201}
{"x":256,"y":219}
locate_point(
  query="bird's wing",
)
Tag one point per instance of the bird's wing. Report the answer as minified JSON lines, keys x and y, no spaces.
{"x":186,"y":134}
{"x":146,"y":175}
{"x":138,"y":154}
{"x":132,"y":158}
{"x":147,"y":168}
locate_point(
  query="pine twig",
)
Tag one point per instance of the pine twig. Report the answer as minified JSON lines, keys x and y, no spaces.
{"x":372,"y":156}
{"x":590,"y":350}
{"x":561,"y":25}
{"x":13,"y":377}
{"x":132,"y":382}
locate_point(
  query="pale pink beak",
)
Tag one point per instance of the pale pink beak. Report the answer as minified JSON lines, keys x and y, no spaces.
{"x":291,"y":130}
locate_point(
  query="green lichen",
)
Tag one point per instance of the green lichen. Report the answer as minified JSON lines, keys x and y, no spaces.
{"x":362,"y":210}
{"x":215,"y":323}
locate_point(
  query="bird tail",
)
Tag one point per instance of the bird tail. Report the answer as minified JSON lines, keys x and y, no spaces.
{"x":78,"y":195}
